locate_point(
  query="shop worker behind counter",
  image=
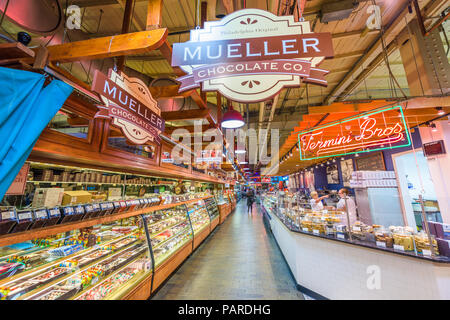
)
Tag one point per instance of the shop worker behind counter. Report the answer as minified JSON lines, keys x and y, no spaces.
{"x":350,"y":203}
{"x":316,"y":202}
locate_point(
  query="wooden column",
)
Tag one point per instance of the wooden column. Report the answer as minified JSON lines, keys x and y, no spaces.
{"x":219,"y":107}
{"x":154,"y":14}
{"x":125,"y":29}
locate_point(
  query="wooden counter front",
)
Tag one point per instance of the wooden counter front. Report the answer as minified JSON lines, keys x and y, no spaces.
{"x":142,"y":290}
{"x":215,"y":223}
{"x":165,"y":270}
{"x":202,"y":235}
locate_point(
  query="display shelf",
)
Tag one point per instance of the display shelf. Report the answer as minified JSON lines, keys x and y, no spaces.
{"x":101,"y":183}
{"x":168,"y":228}
{"x":168,"y":239}
{"x":161,"y":258}
{"x":9,"y":239}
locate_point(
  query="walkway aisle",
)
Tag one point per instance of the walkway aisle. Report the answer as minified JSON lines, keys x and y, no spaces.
{"x":240,"y":260}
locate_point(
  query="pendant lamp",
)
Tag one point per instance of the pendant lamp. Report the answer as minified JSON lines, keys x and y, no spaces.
{"x":220,"y":9}
{"x":232,"y":119}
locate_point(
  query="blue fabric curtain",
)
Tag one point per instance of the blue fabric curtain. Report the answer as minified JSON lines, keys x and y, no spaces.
{"x":26,"y":107}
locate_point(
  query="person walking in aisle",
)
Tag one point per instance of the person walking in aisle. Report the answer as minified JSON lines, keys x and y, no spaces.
{"x":250,"y":200}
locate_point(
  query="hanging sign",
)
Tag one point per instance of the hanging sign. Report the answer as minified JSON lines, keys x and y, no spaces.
{"x":212,"y":156}
{"x":130,"y":105}
{"x":379,"y":129}
{"x":251,"y":54}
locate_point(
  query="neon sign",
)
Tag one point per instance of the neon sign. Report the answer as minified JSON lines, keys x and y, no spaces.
{"x":379,"y":129}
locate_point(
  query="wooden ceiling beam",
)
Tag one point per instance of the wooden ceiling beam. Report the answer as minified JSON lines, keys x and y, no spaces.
{"x":107,"y":47}
{"x":154,"y":14}
{"x":192,"y":114}
{"x":170,"y":130}
{"x":168,"y":92}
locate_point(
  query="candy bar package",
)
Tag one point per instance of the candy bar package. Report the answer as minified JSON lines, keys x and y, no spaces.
{"x":54,"y":215}
{"x":79,"y":213}
{"x":117,"y":207}
{"x":131,"y":205}
{"x":88,"y":211}
{"x":24,"y":221}
{"x":67,"y":214}
{"x":40,"y":218}
{"x":8,"y":219}
{"x":106,"y":208}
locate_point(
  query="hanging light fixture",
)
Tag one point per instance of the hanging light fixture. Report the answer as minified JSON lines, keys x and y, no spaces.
{"x":433,"y":127}
{"x":440,"y":111}
{"x":220,"y":9}
{"x":232,"y":119}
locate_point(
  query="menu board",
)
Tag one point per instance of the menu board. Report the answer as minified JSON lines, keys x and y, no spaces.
{"x":372,"y":162}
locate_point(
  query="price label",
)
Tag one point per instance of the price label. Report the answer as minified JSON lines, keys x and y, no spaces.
{"x":381,"y":244}
{"x":53,"y":184}
{"x":357,"y":229}
{"x":426,"y":253}
{"x":341,"y":236}
{"x":323,"y":218}
{"x":305,"y":229}
{"x":8,"y":215}
{"x":316,"y":231}
{"x":399,"y":247}
{"x":325,"y":211}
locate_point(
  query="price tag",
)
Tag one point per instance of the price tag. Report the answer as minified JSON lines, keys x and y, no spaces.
{"x":381,"y":244}
{"x":399,"y":247}
{"x":356,"y":228}
{"x":53,"y":184}
{"x":341,"y":236}
{"x":305,"y":229}
{"x":426,"y":253}
{"x":316,"y":231}
{"x":323,"y":218}
{"x":8,"y":215}
{"x":325,"y":211}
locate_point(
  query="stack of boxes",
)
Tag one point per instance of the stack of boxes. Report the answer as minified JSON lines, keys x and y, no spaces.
{"x":442,"y":233}
{"x":371,"y":179}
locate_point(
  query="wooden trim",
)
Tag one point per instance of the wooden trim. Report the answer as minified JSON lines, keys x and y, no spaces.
{"x":48,"y":231}
{"x":201,"y":236}
{"x":168,"y":267}
{"x":215,"y":222}
{"x":141,"y":291}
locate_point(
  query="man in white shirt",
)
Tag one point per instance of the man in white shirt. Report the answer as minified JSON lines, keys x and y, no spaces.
{"x":345,"y":204}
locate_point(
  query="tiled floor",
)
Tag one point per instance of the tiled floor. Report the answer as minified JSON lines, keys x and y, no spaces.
{"x":240,"y":260}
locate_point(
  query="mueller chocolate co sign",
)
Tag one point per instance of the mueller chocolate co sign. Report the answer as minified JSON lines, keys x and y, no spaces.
{"x":129,"y":104}
{"x":251,"y":54}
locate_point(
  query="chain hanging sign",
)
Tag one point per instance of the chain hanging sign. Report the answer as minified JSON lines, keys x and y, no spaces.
{"x":130,"y":105}
{"x":251,"y":54}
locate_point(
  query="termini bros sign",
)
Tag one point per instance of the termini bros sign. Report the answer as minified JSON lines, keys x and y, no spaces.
{"x":129,"y":104}
{"x":251,"y":54}
{"x":379,"y":129}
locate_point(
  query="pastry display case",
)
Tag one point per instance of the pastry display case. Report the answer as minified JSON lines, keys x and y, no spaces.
{"x":296,"y":214}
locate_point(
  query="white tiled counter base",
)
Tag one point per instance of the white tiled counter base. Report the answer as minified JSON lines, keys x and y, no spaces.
{"x":342,"y":271}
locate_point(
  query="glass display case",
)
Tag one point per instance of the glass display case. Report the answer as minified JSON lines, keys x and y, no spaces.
{"x":199,"y":216}
{"x":169,"y":230}
{"x":297,"y":215}
{"x":100,"y":262}
{"x":211,"y":206}
{"x":103,"y":261}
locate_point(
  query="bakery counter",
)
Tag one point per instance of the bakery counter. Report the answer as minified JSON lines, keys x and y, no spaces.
{"x":326,"y":267}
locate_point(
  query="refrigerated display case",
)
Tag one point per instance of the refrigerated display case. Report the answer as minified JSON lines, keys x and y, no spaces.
{"x":200,"y":220}
{"x":213,"y":212}
{"x":116,"y":258}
